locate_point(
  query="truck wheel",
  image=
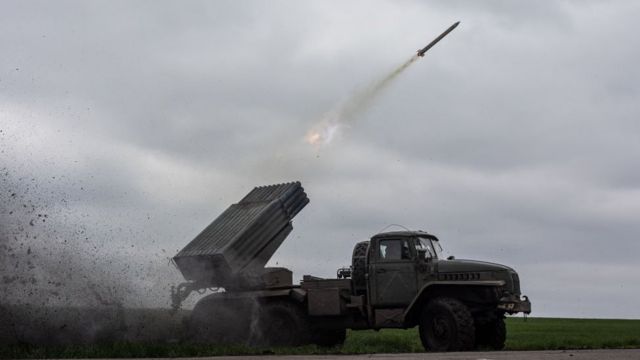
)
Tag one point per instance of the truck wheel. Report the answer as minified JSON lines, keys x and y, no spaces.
{"x":218,"y":321}
{"x":329,"y":337}
{"x":446,"y":324}
{"x":279,"y":324}
{"x":359,"y":265}
{"x":492,"y":334}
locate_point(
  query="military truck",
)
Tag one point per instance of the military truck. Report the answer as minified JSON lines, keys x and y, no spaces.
{"x":396,"y":280}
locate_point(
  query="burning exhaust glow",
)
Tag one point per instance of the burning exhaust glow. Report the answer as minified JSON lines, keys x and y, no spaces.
{"x":323,"y":132}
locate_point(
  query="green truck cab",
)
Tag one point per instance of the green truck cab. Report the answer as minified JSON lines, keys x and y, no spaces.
{"x":408,"y":282}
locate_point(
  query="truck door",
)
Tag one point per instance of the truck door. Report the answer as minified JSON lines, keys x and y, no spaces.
{"x":392,"y":273}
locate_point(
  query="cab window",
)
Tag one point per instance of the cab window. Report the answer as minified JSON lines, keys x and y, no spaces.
{"x":394,"y":249}
{"x":425,"y":244}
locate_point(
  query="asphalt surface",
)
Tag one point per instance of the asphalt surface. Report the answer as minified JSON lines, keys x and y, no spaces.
{"x":499,"y":355}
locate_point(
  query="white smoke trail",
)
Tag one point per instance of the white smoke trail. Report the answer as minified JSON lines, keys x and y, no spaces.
{"x":325,"y":130}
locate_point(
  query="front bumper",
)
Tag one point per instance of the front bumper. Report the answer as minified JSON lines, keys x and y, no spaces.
{"x":514,"y":304}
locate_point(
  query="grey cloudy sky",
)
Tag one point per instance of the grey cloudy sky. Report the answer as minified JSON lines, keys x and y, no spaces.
{"x":132,"y":125}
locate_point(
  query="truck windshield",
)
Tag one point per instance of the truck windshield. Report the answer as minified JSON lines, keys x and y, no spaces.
{"x":432,"y":247}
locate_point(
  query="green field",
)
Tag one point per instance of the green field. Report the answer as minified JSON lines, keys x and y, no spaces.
{"x":532,"y":334}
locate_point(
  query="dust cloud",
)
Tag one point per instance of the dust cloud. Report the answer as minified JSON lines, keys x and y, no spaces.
{"x":59,"y":283}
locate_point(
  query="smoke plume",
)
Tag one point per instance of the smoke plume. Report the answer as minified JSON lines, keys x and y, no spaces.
{"x":323,"y":132}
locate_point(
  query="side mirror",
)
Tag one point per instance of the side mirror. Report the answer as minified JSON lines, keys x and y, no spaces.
{"x":451,"y":257}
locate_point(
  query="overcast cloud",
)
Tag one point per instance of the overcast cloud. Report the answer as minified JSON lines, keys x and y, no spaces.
{"x":132,"y":125}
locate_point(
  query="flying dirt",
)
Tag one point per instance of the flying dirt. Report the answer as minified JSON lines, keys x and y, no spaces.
{"x":325,"y":130}
{"x":58,"y":283}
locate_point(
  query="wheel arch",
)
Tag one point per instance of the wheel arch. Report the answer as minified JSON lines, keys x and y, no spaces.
{"x":455,"y":289}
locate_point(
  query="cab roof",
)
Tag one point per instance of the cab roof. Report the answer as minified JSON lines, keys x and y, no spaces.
{"x":395,"y":234}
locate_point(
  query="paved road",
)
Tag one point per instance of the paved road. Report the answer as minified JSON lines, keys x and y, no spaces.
{"x":631,"y":354}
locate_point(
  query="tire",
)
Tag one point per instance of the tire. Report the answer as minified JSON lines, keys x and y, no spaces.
{"x":328,"y":338}
{"x":215,"y":320}
{"x":279,"y":324}
{"x":492,"y":334}
{"x":446,"y":324}
{"x":359,"y":265}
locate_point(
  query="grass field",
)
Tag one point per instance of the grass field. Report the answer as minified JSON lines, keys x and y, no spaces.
{"x":533,"y":334}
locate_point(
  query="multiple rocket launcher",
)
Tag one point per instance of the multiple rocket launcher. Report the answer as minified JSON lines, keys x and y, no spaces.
{"x":240,"y":242}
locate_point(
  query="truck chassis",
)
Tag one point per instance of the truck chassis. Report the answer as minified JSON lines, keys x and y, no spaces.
{"x":395,"y":280}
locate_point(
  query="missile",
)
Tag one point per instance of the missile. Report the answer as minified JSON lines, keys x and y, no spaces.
{"x":435,"y":41}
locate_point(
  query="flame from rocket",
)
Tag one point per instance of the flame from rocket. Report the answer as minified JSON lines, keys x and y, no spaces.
{"x":333,"y":122}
